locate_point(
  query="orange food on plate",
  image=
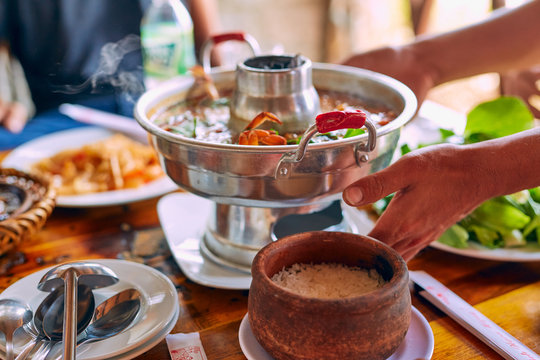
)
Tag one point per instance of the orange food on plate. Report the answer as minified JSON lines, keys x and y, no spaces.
{"x":114,"y":163}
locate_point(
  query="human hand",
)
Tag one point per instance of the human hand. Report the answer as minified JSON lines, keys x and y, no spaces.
{"x":13,"y":116}
{"x":434,"y":188}
{"x":400,"y":63}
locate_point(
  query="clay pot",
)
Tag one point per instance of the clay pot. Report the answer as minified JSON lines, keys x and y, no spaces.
{"x":290,"y":326}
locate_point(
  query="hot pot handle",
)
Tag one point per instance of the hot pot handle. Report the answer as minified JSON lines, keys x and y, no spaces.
{"x":217,"y":39}
{"x":348,"y":120}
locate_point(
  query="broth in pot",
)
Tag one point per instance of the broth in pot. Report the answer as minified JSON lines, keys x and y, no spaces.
{"x":207,"y":120}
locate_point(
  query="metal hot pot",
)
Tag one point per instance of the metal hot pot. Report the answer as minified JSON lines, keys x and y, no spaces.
{"x":253,"y":187}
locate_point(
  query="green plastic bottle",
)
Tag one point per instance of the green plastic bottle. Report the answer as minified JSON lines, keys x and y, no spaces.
{"x":167,"y":41}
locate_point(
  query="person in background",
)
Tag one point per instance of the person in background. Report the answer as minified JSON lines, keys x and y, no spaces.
{"x":437,"y":186}
{"x":77,"y":51}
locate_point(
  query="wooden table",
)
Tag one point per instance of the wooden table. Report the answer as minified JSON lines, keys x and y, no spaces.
{"x":508,"y":293}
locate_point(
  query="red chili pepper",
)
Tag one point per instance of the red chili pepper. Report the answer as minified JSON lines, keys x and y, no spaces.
{"x":335,"y":120}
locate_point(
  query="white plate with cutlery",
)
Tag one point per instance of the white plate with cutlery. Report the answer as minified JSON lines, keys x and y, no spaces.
{"x":157,"y":316}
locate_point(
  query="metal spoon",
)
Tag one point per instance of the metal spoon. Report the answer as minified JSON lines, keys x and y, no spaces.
{"x":69,"y":275}
{"x":38,"y":322}
{"x":52,"y":315}
{"x":13,"y":315}
{"x":112,"y":317}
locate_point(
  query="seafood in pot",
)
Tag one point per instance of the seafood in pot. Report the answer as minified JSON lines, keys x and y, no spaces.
{"x":204,"y":115}
{"x":253,"y":136}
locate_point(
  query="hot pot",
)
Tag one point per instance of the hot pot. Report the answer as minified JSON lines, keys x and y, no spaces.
{"x":254,"y":186}
{"x":239,"y":175}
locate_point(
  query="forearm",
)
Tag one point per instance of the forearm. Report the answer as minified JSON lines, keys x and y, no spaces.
{"x":508,"y":164}
{"x":205,"y":19}
{"x":507,"y":40}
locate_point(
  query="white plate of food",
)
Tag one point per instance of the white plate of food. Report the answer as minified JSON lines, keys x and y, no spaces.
{"x":364,"y":222}
{"x":139,"y":184}
{"x":529,"y":252}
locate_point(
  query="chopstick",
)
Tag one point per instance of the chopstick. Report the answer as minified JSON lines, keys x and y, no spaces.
{"x":106,"y":120}
{"x":471,"y":319}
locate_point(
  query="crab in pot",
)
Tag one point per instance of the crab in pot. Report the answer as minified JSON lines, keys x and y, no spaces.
{"x":253,"y":136}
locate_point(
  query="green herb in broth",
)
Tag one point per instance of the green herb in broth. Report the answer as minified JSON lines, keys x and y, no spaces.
{"x":185,"y":129}
{"x":294,"y":141}
{"x":212,"y":118}
{"x":220,"y":102}
{"x":329,"y":136}
{"x":207,"y":123}
{"x":353,"y":132}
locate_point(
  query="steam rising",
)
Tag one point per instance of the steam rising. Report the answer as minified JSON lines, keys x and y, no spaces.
{"x":109,"y":72}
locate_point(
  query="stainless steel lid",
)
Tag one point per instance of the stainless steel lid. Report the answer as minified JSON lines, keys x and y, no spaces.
{"x":280,"y":84}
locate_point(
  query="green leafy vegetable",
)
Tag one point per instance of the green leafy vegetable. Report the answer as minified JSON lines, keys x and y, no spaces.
{"x":535,"y":193}
{"x":456,"y":236}
{"x":381,"y":205}
{"x":514,"y":238}
{"x":500,"y":217}
{"x":503,"y":116}
{"x":446,"y":134}
{"x":488,"y":238}
{"x":405,"y":148}
{"x":532,"y":208}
